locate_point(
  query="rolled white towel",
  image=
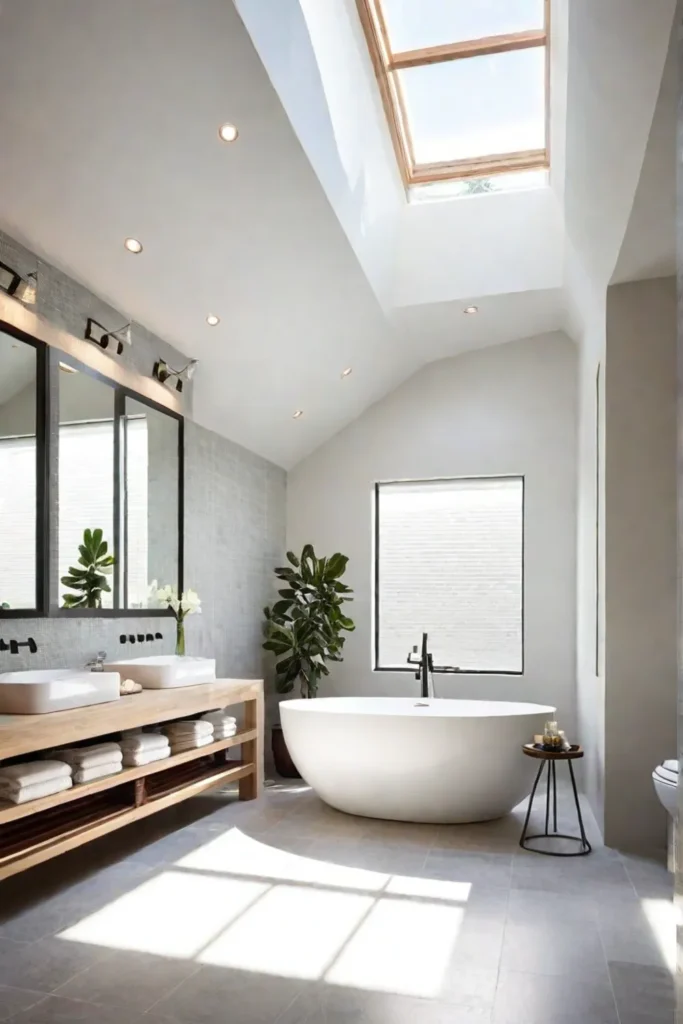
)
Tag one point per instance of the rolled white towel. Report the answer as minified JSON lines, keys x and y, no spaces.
{"x":135,"y":759}
{"x":179,"y":746}
{"x":31,"y":773}
{"x":194,"y":728}
{"x":22,"y":794}
{"x":97,"y":771}
{"x":144,"y":742}
{"x":91,"y":757}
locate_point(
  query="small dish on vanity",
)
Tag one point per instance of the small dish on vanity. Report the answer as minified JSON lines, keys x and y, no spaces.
{"x":164,"y":671}
{"x":38,"y":692}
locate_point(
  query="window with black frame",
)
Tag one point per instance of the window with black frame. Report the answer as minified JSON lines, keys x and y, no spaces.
{"x":449,"y":561}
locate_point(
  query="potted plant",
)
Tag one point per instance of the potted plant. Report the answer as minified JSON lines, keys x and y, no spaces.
{"x":304,"y":630}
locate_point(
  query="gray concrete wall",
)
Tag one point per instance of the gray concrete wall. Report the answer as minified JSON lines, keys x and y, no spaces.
{"x":640,"y":557}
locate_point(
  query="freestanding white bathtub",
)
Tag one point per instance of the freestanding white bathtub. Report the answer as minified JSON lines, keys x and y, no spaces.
{"x":414,"y":760}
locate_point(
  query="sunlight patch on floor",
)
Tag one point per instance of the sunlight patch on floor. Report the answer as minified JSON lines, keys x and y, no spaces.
{"x":402,"y":947}
{"x":394,"y":933}
{"x":270,"y":937}
{"x":428,"y":888}
{"x":661,"y":916}
{"x":174,"y":914}
{"x":234,"y":852}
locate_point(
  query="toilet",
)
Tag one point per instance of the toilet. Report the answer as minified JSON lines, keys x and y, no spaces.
{"x":665,"y":779}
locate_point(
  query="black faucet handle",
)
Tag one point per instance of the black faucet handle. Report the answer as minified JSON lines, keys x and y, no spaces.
{"x":32,"y":645}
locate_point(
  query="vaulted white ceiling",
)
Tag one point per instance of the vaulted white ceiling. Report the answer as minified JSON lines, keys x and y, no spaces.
{"x":298,"y":235}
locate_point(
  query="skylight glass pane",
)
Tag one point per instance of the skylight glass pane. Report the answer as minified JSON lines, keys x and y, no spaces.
{"x":412,"y":24}
{"x":477,"y":107}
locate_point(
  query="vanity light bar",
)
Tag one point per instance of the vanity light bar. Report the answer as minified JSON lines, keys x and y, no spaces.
{"x":94,"y":331}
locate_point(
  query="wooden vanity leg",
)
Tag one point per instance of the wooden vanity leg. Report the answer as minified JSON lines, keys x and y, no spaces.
{"x":251,"y":786}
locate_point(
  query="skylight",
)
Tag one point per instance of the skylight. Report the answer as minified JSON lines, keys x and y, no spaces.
{"x":464,"y":84}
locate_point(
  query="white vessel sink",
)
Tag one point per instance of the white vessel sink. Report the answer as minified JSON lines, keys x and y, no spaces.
{"x":38,"y":692}
{"x":163,"y":671}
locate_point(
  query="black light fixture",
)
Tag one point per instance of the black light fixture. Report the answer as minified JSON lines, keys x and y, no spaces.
{"x":163,"y":372}
{"x":96,"y":332}
{"x":22,"y":288}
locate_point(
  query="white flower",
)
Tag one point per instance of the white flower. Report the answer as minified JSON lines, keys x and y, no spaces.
{"x":190,"y":602}
{"x":168,"y":596}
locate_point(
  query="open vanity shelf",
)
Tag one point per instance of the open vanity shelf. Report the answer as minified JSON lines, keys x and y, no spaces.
{"x":34,"y":832}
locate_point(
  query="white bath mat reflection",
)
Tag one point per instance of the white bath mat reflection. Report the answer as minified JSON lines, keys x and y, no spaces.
{"x":271,"y":935}
{"x":174,"y":914}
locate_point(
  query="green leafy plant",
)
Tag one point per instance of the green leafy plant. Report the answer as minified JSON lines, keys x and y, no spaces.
{"x":89,"y":577}
{"x":304,"y":629}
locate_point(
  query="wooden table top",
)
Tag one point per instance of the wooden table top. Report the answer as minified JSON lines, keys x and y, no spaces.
{"x":24,"y":734}
{"x":531,"y":750}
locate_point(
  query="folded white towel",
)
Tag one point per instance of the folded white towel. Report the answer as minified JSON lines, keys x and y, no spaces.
{"x":194,"y":728}
{"x":91,"y":757}
{"x":224,"y":734}
{"x":33,"y":772}
{"x":179,"y":746}
{"x":145,"y":741}
{"x":218,"y":718}
{"x":97,"y":771}
{"x":134,"y":759}
{"x":48,"y":787}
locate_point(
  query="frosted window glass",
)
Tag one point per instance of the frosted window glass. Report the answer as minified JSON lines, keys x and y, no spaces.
{"x":412,"y":24}
{"x":476,"y":107}
{"x":450,"y":564}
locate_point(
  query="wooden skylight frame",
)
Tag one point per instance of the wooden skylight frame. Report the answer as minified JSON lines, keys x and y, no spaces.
{"x":385,"y":62}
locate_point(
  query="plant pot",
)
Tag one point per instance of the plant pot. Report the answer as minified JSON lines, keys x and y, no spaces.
{"x":284,"y":765}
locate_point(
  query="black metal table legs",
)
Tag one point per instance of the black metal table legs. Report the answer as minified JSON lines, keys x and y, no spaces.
{"x":551,"y":782}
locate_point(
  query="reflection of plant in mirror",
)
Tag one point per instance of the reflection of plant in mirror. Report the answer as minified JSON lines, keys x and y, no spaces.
{"x":91,"y":578}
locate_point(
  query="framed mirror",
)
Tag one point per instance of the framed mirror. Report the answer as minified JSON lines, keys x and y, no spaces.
{"x":152,"y":501}
{"x":85,"y":485}
{"x":120,"y":474}
{"x":23,"y":475}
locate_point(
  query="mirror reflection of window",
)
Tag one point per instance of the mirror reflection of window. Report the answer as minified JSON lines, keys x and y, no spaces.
{"x":151,"y":501}
{"x":86,"y":469}
{"x":18,"y":373}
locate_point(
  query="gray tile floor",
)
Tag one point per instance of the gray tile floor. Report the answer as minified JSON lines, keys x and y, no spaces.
{"x":283,"y":911}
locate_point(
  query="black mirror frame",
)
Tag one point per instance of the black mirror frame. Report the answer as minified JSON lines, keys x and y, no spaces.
{"x":120,"y":394}
{"x":42,"y":548}
{"x":48,"y":358}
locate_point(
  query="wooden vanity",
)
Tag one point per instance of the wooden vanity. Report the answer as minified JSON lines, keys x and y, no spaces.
{"x":34,"y":832}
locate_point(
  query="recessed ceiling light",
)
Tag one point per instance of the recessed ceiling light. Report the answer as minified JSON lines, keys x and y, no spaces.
{"x":227,"y":132}
{"x":212,"y":320}
{"x":471,"y":309}
{"x":132,"y":245}
{"x":347,"y":371}
{"x":298,"y":414}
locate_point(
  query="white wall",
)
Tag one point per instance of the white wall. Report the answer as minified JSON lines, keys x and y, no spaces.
{"x":640,"y":556}
{"x":504,"y":410}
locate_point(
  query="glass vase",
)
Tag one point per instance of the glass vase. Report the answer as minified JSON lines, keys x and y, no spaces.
{"x":180,"y":637}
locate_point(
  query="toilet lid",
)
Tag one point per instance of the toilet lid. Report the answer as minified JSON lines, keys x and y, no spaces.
{"x":665,"y":776}
{"x":672,"y":766}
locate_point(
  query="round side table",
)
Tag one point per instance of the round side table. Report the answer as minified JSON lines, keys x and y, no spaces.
{"x":548,"y":759}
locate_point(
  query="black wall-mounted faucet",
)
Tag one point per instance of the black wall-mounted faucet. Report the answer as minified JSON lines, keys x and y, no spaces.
{"x":141,"y":638}
{"x":14,"y":646}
